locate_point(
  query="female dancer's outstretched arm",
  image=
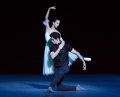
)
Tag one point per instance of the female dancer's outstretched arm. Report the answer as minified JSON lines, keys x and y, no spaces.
{"x":46,"y":21}
{"x":47,"y":14}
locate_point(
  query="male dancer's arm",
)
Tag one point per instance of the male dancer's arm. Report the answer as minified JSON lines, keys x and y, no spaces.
{"x":54,"y":54}
{"x":80,"y":57}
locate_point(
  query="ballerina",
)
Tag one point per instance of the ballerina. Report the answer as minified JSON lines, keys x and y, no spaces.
{"x":48,"y":66}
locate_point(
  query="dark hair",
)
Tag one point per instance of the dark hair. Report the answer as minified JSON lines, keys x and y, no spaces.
{"x":55,"y":35}
{"x":55,"y":19}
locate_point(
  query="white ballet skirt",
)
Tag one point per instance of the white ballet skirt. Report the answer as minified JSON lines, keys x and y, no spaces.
{"x":48,"y":66}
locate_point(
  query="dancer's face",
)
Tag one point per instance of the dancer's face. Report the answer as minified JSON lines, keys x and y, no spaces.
{"x":56,"y":23}
{"x":54,"y":41}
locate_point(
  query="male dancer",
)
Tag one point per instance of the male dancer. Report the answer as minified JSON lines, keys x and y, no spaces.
{"x":59,"y":53}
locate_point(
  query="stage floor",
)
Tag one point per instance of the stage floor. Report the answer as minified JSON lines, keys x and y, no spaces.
{"x":36,"y":86}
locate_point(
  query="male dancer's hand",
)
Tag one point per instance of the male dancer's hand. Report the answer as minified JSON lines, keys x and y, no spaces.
{"x":84,"y":66}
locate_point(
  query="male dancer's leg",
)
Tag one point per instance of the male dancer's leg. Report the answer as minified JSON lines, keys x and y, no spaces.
{"x":63,"y":87}
{"x":59,"y":77}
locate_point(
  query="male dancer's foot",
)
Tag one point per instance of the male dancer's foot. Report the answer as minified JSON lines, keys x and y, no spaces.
{"x":50,"y":89}
{"x":78,"y":88}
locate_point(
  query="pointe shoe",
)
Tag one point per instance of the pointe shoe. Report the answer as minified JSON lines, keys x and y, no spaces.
{"x":50,"y":90}
{"x":87,"y":59}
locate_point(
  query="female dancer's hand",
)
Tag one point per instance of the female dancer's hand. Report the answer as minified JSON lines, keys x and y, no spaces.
{"x":53,"y":7}
{"x":61,"y":45}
